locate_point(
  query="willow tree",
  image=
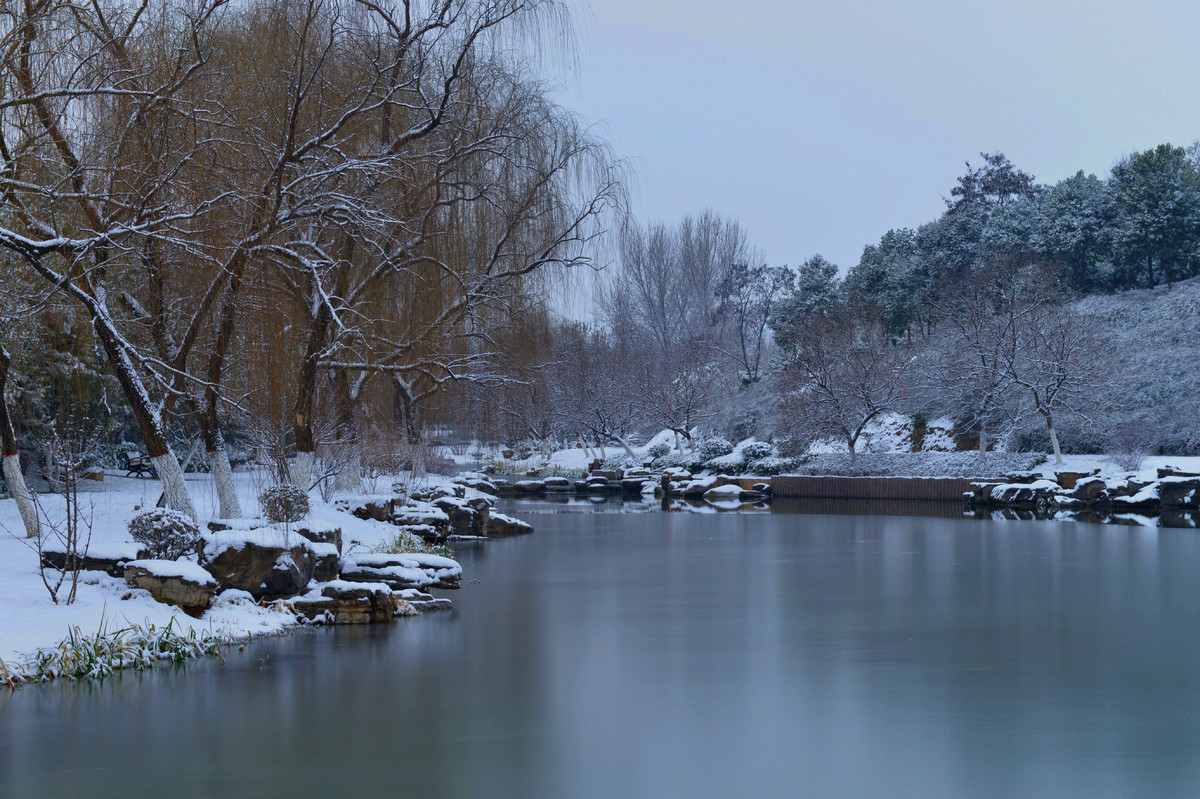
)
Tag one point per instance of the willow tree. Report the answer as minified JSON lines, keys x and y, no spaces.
{"x":81,"y":196}
{"x":466,"y":182}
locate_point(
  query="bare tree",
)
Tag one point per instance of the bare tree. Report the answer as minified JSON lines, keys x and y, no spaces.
{"x":747,"y":297}
{"x":840,"y":374}
{"x":1049,"y":352}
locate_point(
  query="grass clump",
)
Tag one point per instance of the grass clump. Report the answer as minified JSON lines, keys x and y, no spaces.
{"x":407,"y":541}
{"x":80,"y":656}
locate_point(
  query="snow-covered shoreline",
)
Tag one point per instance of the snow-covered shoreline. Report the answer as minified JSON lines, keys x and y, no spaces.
{"x":30,"y":620}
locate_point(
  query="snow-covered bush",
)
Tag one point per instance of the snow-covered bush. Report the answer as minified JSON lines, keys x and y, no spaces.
{"x":775,"y":464}
{"x":167,"y":534}
{"x":658,"y":450}
{"x":756,"y":450}
{"x":710,"y":447}
{"x":283,"y":503}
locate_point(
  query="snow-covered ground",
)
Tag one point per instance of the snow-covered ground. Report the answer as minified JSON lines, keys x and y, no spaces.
{"x":30,"y":620}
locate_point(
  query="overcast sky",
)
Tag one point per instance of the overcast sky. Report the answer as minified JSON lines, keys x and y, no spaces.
{"x":820,"y":125}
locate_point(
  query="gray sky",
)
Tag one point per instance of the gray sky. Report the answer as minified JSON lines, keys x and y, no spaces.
{"x":821,"y":125}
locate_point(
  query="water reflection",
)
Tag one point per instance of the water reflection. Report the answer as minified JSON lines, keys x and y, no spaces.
{"x":698,"y":655}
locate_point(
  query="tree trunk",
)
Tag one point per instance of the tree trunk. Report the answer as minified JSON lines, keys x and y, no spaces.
{"x":218,"y":462}
{"x":349,"y":474}
{"x":1054,"y":441}
{"x":302,"y":419}
{"x":414,"y":432}
{"x":633,"y":459}
{"x":12,"y":460}
{"x":982,"y":441}
{"x":148,"y":419}
{"x":850,"y":445}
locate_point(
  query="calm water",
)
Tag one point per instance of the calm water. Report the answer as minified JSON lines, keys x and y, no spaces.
{"x":662,"y":655}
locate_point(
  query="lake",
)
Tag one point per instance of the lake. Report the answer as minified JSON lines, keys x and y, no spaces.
{"x":623,"y":654}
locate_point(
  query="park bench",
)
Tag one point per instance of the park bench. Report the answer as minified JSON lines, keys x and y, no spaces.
{"x":135,"y":464}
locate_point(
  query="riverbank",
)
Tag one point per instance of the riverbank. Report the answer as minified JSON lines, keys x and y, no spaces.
{"x":431,"y":510}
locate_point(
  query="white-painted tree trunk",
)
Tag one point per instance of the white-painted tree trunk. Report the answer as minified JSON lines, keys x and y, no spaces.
{"x":302,"y":469}
{"x":982,"y":441}
{"x":166,"y":466}
{"x":628,"y":450}
{"x":20,"y":492}
{"x":678,"y":445}
{"x":349,"y":475}
{"x":222,"y":474}
{"x":1054,"y":443}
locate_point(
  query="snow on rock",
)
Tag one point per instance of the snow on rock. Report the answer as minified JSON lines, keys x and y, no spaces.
{"x":179,"y":583}
{"x":725,"y":492}
{"x":267,"y":562}
{"x":408,"y":570}
{"x":183,"y":569}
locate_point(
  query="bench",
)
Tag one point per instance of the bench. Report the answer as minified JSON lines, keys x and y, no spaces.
{"x":136,"y":465}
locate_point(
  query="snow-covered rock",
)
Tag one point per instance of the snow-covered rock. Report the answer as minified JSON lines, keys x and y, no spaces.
{"x":180,"y":583}
{"x":267,"y":562}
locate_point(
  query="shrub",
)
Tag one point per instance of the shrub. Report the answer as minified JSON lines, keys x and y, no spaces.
{"x":659,"y":450}
{"x":166,"y":533}
{"x":756,"y":450}
{"x":711,"y":447}
{"x":284,"y":503}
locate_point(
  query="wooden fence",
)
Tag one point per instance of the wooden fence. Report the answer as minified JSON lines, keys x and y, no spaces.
{"x":925,"y":489}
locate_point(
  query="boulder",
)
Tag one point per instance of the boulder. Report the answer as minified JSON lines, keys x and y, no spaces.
{"x":327,"y":561}
{"x":347,"y":602}
{"x":557,"y":484}
{"x":407,"y":570}
{"x":1089,"y":490}
{"x":476,"y":482}
{"x":1174,"y":471}
{"x":108,"y":558}
{"x":1179,"y":492}
{"x":423,"y":601}
{"x":501,"y":526}
{"x":181,"y":583}
{"x":267,"y":562}
{"x":417,"y":515}
{"x":698,"y":488}
{"x":320,"y":533}
{"x":530,"y":486}
{"x":464,"y":520}
{"x":1026,"y":495}
{"x":1068,"y":479}
{"x":726,"y":492}
{"x":380,"y":508}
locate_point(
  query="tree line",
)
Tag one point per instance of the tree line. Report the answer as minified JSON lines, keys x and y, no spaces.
{"x":293,"y":219}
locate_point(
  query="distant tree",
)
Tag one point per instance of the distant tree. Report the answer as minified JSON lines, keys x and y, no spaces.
{"x":817,"y":289}
{"x":1050,"y":353}
{"x":1157,"y":195}
{"x":1075,"y":229}
{"x":993,"y":185}
{"x":894,"y":276}
{"x":966,"y":361}
{"x":746,"y":300}
{"x":840,"y":373}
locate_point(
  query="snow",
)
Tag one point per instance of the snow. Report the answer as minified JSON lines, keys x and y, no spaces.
{"x":725,"y":492}
{"x":269,"y":537}
{"x":29,"y":619}
{"x":175,"y":568}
